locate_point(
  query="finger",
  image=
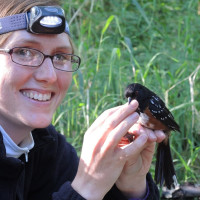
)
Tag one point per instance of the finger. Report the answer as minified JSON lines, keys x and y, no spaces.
{"x":112,"y":119}
{"x":154,"y":136}
{"x":131,"y":134}
{"x":103,"y":116}
{"x":118,"y":132}
{"x":134,"y":148}
{"x":160,"y":135}
{"x":151,"y":134}
{"x":94,"y":130}
{"x":136,"y":129}
{"x":122,"y":113}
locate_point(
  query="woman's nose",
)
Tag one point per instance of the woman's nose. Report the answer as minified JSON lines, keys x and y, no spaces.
{"x":46,"y":71}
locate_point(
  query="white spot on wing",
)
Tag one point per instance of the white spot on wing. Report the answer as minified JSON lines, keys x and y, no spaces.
{"x":156,"y":98}
{"x":151,"y":100}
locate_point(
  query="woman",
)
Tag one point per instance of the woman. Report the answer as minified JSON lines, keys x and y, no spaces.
{"x":36,"y":162}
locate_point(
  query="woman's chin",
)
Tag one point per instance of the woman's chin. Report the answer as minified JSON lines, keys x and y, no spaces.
{"x":39,"y":124}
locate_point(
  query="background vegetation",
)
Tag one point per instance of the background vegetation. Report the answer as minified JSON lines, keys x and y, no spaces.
{"x":153,"y":42}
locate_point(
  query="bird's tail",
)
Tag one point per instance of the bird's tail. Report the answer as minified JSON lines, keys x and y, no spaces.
{"x":164,"y":171}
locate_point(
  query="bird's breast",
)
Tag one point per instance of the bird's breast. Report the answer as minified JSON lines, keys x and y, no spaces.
{"x":144,"y":121}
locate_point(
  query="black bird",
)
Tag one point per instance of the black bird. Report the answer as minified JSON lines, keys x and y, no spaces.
{"x":155,"y":115}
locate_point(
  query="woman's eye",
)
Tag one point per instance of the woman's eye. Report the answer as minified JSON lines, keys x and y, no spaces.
{"x":24,"y":52}
{"x":59,"y":57}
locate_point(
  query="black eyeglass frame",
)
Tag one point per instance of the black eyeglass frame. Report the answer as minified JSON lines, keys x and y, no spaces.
{"x":10,"y":51}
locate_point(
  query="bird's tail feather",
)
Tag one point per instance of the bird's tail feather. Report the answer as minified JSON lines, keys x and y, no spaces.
{"x":164,"y":171}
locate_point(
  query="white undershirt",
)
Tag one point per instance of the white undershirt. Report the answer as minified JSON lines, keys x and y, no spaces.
{"x":12,"y":150}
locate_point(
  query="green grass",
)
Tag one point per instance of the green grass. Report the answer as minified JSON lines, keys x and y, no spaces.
{"x":154,"y":42}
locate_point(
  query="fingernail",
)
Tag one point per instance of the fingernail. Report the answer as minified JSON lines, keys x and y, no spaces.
{"x":134,"y":103}
{"x":152,"y":135}
{"x":143,"y":138}
{"x":162,"y":134}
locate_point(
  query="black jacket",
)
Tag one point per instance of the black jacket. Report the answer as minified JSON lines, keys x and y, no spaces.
{"x":52,"y":165}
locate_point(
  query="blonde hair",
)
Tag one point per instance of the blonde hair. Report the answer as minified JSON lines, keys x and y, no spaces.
{"x":12,"y":7}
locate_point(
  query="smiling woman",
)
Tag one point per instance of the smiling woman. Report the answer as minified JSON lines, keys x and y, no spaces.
{"x":17,"y":80}
{"x":36,"y":162}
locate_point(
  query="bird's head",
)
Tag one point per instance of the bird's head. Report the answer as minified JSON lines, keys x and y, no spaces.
{"x":135,"y":91}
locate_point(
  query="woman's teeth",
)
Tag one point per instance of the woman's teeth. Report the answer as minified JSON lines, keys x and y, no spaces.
{"x":37,"y":96}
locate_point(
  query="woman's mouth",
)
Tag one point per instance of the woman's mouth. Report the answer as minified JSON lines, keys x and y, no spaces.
{"x":37,"y":95}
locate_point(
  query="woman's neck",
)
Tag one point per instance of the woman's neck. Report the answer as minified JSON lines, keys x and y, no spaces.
{"x":17,"y":134}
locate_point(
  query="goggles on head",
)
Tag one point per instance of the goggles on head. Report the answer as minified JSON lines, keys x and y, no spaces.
{"x":39,"y":20}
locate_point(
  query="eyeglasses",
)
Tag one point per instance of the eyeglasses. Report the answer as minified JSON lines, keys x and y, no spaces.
{"x":34,"y":58}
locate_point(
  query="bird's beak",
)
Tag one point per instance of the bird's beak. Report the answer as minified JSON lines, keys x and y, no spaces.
{"x":129,"y":100}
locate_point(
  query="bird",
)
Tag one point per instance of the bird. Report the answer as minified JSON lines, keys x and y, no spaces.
{"x":154,"y":114}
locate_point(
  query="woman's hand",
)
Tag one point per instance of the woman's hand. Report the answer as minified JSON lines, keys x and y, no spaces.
{"x":102,"y":160}
{"x":132,"y":181}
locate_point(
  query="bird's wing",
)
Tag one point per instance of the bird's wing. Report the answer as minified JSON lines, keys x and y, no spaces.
{"x":160,"y":111}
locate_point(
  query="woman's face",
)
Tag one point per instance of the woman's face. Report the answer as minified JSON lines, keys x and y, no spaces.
{"x":29,"y":96}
